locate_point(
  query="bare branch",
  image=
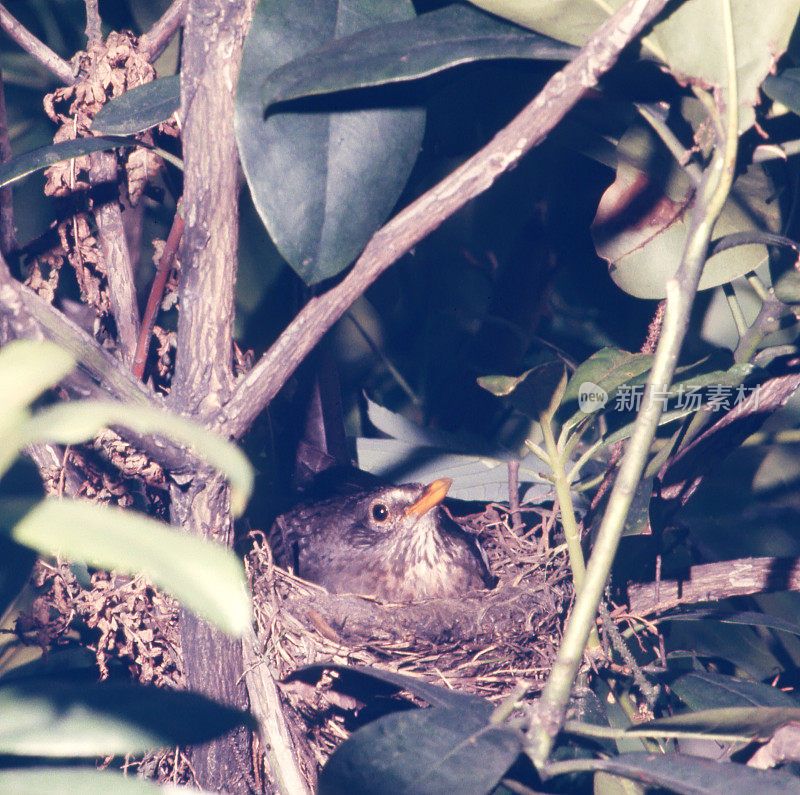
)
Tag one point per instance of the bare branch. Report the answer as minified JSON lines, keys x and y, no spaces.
{"x":8,"y":233}
{"x":203,"y":367}
{"x":40,"y":51}
{"x":711,"y":582}
{"x":114,"y":245}
{"x":94,"y":25}
{"x":155,"y":41}
{"x":254,"y":392}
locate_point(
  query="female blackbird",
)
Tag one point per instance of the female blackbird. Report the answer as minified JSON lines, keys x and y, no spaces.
{"x":393,"y":543}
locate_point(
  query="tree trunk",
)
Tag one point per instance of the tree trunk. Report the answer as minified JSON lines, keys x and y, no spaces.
{"x":213,"y":36}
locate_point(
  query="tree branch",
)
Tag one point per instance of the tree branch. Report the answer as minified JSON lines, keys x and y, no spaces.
{"x":155,"y":41}
{"x":94,"y":25}
{"x":254,"y":392}
{"x":212,"y":44}
{"x":40,"y":51}
{"x":8,"y":232}
{"x":114,"y":245}
{"x":711,"y":582}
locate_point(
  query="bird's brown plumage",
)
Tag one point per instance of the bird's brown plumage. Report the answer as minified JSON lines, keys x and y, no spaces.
{"x":394,"y":543}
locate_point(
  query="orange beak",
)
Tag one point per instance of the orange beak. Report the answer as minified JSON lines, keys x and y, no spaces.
{"x":431,"y":497}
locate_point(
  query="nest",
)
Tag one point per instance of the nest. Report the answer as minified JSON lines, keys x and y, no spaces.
{"x":482,"y":643}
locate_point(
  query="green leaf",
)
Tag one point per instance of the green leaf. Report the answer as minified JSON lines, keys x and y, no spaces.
{"x":537,"y":392}
{"x":608,"y":369}
{"x":746,"y":617}
{"x":27,"y":369}
{"x":704,"y":690}
{"x":22,"y":165}
{"x":435,"y":696}
{"x":755,"y":722}
{"x":689,"y":38}
{"x":70,"y":423}
{"x":691,"y":775}
{"x":642,"y":220}
{"x":787,"y":288}
{"x":206,"y":577}
{"x":408,"y":50}
{"x":140,"y":108}
{"x":435,"y":750}
{"x":86,"y":780}
{"x":785,"y":88}
{"x":58,"y":719}
{"x":323,"y":182}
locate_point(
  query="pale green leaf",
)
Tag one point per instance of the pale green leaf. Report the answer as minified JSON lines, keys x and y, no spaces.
{"x":206,"y":577}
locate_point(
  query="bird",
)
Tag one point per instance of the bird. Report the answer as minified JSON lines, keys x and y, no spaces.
{"x":393,"y":543}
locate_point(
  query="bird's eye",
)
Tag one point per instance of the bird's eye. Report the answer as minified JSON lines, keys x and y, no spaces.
{"x":380,"y":513}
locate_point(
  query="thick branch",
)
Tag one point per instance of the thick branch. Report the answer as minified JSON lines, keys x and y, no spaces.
{"x":213,"y":37}
{"x":40,"y":51}
{"x":155,"y":41}
{"x":711,"y":582}
{"x":254,"y":392}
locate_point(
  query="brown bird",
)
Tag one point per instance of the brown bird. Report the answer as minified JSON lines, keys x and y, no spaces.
{"x":394,"y":543}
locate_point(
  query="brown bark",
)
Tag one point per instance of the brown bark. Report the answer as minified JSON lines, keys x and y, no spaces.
{"x":714,"y":581}
{"x":213,"y":36}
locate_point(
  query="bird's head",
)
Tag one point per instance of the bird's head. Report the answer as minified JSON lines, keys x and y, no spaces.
{"x":399,"y":512}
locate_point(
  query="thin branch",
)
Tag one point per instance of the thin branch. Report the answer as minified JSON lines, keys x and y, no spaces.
{"x":8,"y":233}
{"x":157,"y":294}
{"x":155,"y":41}
{"x":94,"y":25}
{"x":40,"y":51}
{"x":114,"y":245}
{"x":254,"y":392}
{"x":711,"y":582}
{"x":266,"y":705}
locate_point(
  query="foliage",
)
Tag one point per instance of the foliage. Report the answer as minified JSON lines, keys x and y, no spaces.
{"x":43,"y":714}
{"x":331,"y":109}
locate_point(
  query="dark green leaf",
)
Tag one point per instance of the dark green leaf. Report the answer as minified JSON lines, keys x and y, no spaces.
{"x":691,"y":775}
{"x":748,"y":618}
{"x":608,"y":369}
{"x":441,"y":39}
{"x":322,"y":182}
{"x":16,"y":562}
{"x":52,"y":718}
{"x":537,"y":392}
{"x":703,"y":690}
{"x":435,"y":750}
{"x":140,"y":108}
{"x":22,"y":165}
{"x":436,"y":696}
{"x":785,"y":88}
